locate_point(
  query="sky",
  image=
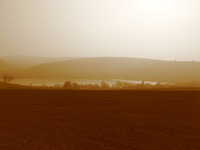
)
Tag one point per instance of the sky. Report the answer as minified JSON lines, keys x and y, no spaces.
{"x":156,"y":29}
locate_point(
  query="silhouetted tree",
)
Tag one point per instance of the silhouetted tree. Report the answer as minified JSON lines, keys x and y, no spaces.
{"x":75,"y":86}
{"x":118,"y":85}
{"x":7,"y":78}
{"x":68,"y":85}
{"x":96,"y":87}
{"x":104,"y":85}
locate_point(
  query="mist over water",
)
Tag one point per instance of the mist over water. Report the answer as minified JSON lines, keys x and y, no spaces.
{"x":61,"y":81}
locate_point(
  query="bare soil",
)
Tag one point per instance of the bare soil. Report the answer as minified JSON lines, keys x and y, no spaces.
{"x":102,"y":120}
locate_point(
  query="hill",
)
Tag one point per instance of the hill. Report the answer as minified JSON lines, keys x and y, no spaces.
{"x":3,"y":64}
{"x":11,"y":86}
{"x":7,"y":68}
{"x":25,"y":62}
{"x":119,"y":68}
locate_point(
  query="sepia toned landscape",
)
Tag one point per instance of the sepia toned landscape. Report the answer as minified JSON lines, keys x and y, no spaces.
{"x":99,"y":75}
{"x":99,"y":112}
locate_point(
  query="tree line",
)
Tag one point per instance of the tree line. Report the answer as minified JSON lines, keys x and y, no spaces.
{"x":69,"y":85}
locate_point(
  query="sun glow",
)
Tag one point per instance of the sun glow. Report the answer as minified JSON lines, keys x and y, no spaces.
{"x":156,"y":6}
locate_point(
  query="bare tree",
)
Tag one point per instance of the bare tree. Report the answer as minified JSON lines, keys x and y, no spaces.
{"x":7,"y":78}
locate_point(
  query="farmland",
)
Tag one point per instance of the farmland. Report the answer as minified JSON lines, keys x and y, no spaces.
{"x":105,"y":120}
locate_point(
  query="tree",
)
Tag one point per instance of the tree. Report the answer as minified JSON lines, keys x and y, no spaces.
{"x":96,"y":86}
{"x":75,"y":86}
{"x":118,"y":85}
{"x":104,"y":85}
{"x":68,"y":85}
{"x":7,"y":78}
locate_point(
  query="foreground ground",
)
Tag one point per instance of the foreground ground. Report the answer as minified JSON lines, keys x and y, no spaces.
{"x":104,"y":120}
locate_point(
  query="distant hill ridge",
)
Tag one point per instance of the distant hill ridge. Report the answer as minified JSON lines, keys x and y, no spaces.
{"x":10,"y":86}
{"x":4,"y":66}
{"x":25,"y":62}
{"x":119,"y":68}
{"x":8,"y":68}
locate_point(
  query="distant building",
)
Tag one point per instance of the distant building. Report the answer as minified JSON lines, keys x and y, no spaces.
{"x":142,"y":83}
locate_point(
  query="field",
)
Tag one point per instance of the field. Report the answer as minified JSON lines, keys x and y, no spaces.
{"x":103,"y":120}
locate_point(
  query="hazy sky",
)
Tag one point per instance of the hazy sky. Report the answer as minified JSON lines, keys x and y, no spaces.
{"x":159,"y":29}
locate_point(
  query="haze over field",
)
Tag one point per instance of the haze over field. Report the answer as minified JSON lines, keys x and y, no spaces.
{"x":106,"y":39}
{"x":105,"y":68}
